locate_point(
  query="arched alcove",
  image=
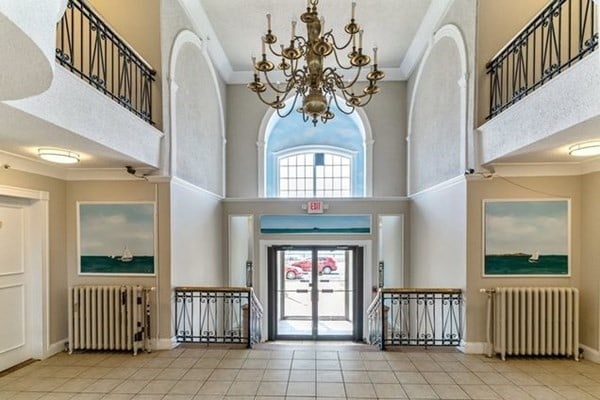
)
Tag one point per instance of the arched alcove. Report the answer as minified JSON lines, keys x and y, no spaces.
{"x":437,"y":120}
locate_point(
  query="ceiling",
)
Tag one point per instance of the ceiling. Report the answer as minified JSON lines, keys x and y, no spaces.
{"x":239,"y":25}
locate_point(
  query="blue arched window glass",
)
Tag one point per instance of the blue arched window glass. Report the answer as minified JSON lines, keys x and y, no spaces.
{"x":302,"y":160}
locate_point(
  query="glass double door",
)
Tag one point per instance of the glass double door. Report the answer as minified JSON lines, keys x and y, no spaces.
{"x":315,"y":292}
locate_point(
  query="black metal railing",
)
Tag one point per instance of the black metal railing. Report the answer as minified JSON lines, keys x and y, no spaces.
{"x":559,"y":36}
{"x":416,"y":317}
{"x":217,"y":315}
{"x":91,"y":49}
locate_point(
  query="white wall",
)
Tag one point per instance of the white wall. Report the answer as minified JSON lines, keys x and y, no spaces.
{"x":438,"y":246}
{"x":196,"y":237}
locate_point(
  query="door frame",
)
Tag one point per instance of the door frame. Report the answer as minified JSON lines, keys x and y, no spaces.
{"x":261,"y":284}
{"x":36,"y":267}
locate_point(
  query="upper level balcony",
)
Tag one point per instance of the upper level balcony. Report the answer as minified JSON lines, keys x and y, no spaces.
{"x":101,"y":100}
{"x":544,"y":87}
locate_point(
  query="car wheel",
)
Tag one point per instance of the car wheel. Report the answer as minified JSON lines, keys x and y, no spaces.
{"x":327,"y":269}
{"x":290,"y":275}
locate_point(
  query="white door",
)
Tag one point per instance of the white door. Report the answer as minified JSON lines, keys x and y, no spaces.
{"x":15,"y":346}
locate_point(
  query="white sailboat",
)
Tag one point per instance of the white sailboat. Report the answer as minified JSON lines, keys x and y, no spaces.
{"x":127,"y":256}
{"x":535,"y":257}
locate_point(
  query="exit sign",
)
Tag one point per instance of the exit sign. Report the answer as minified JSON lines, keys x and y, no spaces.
{"x":315,"y":207}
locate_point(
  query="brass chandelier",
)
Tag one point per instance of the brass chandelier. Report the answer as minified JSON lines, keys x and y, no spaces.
{"x":315,"y":82}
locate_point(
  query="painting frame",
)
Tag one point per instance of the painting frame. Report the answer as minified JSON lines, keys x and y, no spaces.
{"x":116,"y":238}
{"x":510,"y":247}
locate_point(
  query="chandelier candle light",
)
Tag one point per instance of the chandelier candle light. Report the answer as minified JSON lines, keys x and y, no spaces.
{"x":316,"y":83}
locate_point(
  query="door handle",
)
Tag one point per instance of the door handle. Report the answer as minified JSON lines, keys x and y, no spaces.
{"x":301,"y":290}
{"x":327,"y":290}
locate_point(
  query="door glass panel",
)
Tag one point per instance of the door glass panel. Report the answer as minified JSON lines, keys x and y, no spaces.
{"x":294,"y":293}
{"x":334,"y":292}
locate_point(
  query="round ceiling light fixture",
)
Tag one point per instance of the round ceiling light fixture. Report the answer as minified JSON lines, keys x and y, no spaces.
{"x":58,"y":156}
{"x":585,"y":149}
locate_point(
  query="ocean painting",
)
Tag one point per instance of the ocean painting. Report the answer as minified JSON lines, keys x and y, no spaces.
{"x":116,"y":238}
{"x":526,"y":238}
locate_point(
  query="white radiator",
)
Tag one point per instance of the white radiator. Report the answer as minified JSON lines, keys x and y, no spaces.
{"x":542,"y":321}
{"x":109,"y":318}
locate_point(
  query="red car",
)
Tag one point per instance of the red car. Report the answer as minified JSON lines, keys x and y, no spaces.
{"x":293,"y":272}
{"x":326,"y":265}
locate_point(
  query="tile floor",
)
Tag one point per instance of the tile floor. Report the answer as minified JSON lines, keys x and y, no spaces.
{"x":299,"y":371}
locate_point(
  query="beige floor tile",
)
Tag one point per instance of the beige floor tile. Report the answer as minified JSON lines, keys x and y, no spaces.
{"x":492,"y":378}
{"x":328,"y":364}
{"x":410,"y":377}
{"x":158,"y":387}
{"x":250,"y":375}
{"x":360,"y":390}
{"x":305,"y":355}
{"x":419,"y":391}
{"x":521,"y":379}
{"x":542,"y":393}
{"x":327,"y":355}
{"x":450,"y":392}
{"x":275,"y":376}
{"x":172,"y":373}
{"x":303,"y":364}
{"x":224,"y":375}
{"x":438,"y":378}
{"x":214,"y":388}
{"x":330,"y":389}
{"x":205,"y":363}
{"x":233,"y":363}
{"x":118,"y":373}
{"x":97,"y":373}
{"x":272,"y":389}
{"x":389,"y":391}
{"x":255,"y":364}
{"x":302,"y":375}
{"x":75,"y":385}
{"x":279,"y":364}
{"x":372,"y":356}
{"x":427,"y":366}
{"x":186,"y":387}
{"x":329,"y":376}
{"x":572,"y":392}
{"x":402,"y":366}
{"x":130,"y":386}
{"x":197,"y":374}
{"x":480,"y":392}
{"x":377,"y":365}
{"x":146,"y":373}
{"x":301,"y":389}
{"x":243,"y":389}
{"x":118,"y":396}
{"x":511,"y":392}
{"x":58,"y":396}
{"x":355,"y":377}
{"x":352,"y":365}
{"x":465,"y":378}
{"x":382,"y":377}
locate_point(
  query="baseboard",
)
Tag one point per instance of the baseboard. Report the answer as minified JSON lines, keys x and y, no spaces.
{"x":165,"y":344}
{"x":56,"y":347}
{"x":590,"y":354}
{"x":473,"y":347}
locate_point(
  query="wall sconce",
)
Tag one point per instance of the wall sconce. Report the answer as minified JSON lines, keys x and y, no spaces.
{"x":58,"y":156}
{"x":585,"y":149}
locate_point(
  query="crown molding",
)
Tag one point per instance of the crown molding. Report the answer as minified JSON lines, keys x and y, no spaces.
{"x":546,"y":169}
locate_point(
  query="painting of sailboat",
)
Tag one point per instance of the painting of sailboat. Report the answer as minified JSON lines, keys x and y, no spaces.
{"x":526,"y":237}
{"x":127,"y":256}
{"x":535,"y":257}
{"x":116,"y":238}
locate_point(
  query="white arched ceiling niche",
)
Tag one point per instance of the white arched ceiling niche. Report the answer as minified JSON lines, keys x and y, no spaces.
{"x":266,"y":126}
{"x":437,"y":119}
{"x":197,"y":128}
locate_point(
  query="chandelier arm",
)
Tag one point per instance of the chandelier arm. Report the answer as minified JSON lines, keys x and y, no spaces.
{"x":276,"y":54}
{"x":334,"y":42}
{"x":351,"y":108}
{"x":339,"y":63}
{"x":292,"y":108}
{"x":339,"y":83}
{"x":274,"y":86}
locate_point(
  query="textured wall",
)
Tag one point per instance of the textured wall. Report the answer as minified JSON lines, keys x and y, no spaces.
{"x":435,"y":136}
{"x":199,"y":132}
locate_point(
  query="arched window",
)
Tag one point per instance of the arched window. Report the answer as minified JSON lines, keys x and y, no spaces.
{"x":319,"y":172}
{"x":301,"y":160}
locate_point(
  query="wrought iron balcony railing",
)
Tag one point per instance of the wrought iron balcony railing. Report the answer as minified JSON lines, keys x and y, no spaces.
{"x":416,"y":317}
{"x":91,"y":49}
{"x":559,"y":36}
{"x":217,"y":315}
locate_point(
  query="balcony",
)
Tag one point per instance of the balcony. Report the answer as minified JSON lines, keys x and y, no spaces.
{"x":544,"y":85}
{"x":99,"y":102}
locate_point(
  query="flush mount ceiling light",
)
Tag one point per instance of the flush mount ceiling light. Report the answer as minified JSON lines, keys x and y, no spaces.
{"x":585,"y":149}
{"x":58,"y":156}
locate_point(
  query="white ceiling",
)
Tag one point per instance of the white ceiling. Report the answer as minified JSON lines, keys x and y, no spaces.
{"x":239,"y":24}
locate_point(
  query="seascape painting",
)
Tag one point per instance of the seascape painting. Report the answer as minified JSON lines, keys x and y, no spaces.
{"x":526,"y":237}
{"x":116,"y":238}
